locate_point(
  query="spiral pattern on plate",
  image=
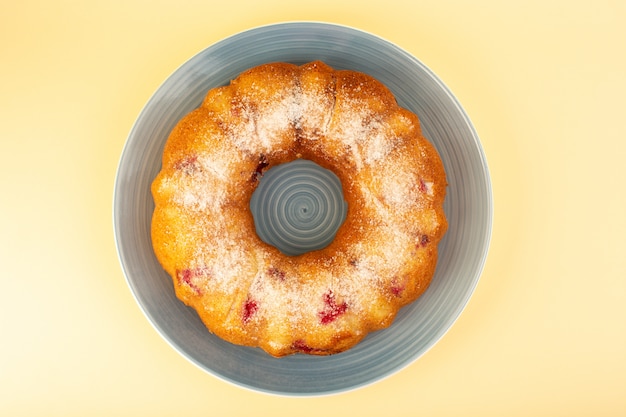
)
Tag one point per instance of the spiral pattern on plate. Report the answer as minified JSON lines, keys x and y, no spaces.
{"x":298,"y":207}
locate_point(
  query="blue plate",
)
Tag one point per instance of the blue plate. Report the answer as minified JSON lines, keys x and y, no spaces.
{"x":468,"y":207}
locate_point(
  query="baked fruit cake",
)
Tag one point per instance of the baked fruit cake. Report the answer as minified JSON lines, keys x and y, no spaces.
{"x":321,"y":302}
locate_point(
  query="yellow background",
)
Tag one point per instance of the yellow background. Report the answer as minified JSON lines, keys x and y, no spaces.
{"x":544,"y":83}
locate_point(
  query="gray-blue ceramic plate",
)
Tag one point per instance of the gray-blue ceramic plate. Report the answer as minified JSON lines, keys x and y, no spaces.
{"x":462,"y":251}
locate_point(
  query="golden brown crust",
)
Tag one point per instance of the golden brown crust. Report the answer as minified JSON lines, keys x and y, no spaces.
{"x":321,"y":302}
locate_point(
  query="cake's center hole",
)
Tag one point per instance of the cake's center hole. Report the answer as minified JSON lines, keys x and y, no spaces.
{"x":298,"y":207}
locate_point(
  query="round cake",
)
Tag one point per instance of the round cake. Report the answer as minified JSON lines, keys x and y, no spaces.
{"x":326,"y":300}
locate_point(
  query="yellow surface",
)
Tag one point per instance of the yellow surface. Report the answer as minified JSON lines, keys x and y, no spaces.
{"x":544,"y":83}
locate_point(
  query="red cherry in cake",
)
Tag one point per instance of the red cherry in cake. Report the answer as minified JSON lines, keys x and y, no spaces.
{"x":331,"y":310}
{"x":258,"y":172}
{"x":250,"y":307}
{"x":276,"y":273}
{"x":398,"y":286}
{"x":301,"y":346}
{"x":191,"y":277}
{"x":422,"y":186}
{"x":188,"y":165}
